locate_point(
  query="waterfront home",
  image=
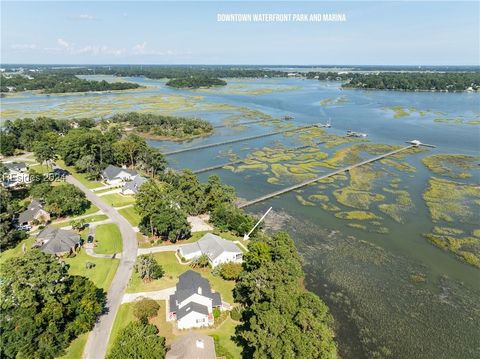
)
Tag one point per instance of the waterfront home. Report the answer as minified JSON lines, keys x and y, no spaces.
{"x":193,"y":302}
{"x":217,"y":249}
{"x":33,"y":213}
{"x":56,"y":241}
{"x":114,"y":175}
{"x":133,"y":186}
{"x":192,"y":346}
{"x":17,"y":174}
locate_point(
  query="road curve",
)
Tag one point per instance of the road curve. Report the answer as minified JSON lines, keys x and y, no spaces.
{"x":97,"y":342}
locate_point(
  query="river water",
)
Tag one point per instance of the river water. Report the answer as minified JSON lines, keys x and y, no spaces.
{"x":364,"y":276}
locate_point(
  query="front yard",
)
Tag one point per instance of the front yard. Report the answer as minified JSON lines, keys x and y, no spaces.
{"x":108,"y":239}
{"x":118,"y":200}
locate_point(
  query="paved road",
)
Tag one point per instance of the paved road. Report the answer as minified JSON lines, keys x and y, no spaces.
{"x":97,"y":342}
{"x":163,"y":294}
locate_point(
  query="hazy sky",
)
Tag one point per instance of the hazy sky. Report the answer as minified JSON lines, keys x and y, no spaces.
{"x":178,"y":32}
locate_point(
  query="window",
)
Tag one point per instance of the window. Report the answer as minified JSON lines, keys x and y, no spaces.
{"x":200,"y":320}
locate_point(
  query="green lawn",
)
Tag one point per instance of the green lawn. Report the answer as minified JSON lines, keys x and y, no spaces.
{"x":89,"y":219}
{"x":82,"y":177}
{"x":91,"y":209}
{"x":75,"y":350}
{"x":118,"y":200}
{"x":40,"y":168}
{"x":131,"y":215}
{"x":108,"y":239}
{"x":225,"y":332}
{"x":173,"y":269}
{"x":107,"y":189}
{"x":17,"y":251}
{"x":124,"y":316}
{"x":101,"y":275}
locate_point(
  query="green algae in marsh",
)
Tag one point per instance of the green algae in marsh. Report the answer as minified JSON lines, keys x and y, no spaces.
{"x":400,"y":207}
{"x":454,"y":203}
{"x":452,"y":165}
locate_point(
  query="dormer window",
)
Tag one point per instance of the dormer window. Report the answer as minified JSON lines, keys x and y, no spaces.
{"x":199,"y":291}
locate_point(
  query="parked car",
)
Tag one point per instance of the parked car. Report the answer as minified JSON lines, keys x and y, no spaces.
{"x":90,"y":238}
{"x":25,"y":227}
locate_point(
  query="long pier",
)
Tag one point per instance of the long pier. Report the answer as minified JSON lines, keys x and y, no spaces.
{"x":336,"y":172}
{"x":243,"y":160}
{"x":238,"y":140}
{"x":245,"y":123}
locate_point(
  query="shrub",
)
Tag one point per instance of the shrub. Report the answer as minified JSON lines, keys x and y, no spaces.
{"x":148,"y":268}
{"x":200,"y":262}
{"x":216,"y":313}
{"x":230,"y":271}
{"x":236,"y":313}
{"x":89,"y":265}
{"x":145,"y":309}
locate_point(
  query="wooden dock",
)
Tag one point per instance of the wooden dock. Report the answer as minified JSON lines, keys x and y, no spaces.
{"x":238,"y":140}
{"x":308,"y":182}
{"x":236,"y":162}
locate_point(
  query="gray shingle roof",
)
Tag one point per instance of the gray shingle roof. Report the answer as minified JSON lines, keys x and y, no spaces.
{"x":185,"y":347}
{"x":213,"y":246}
{"x":111,"y":172}
{"x":55,"y":240}
{"x":188,"y":284}
{"x":16,"y":166}
{"x":191,"y":307}
{"x":29,"y":214}
{"x":135,"y":184}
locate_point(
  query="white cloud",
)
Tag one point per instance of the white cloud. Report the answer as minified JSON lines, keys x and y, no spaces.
{"x":63,"y":43}
{"x":85,"y":17}
{"x":23,"y":46}
{"x":139,"y":49}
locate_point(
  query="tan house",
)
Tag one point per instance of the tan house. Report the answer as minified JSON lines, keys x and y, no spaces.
{"x":33,"y":213}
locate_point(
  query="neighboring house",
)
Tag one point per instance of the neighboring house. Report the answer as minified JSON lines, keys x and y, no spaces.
{"x":34,"y":212}
{"x":217,"y":249}
{"x":57,"y":241}
{"x":192,"y":346}
{"x":193,"y":302}
{"x":133,"y":186}
{"x":114,"y":175}
{"x":17,"y":174}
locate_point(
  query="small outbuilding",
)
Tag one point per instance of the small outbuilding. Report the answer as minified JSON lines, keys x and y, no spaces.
{"x":56,"y":241}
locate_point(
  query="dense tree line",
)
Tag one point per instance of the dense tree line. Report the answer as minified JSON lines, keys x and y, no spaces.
{"x":195,"y":82}
{"x":88,"y":149}
{"x":57,"y":82}
{"x":10,"y":208}
{"x":405,"y":81}
{"x":171,"y":72}
{"x":280,"y":319}
{"x":165,"y":126}
{"x":164,"y":206}
{"x":43,"y":308}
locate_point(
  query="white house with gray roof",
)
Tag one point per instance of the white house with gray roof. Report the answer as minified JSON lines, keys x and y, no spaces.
{"x":217,"y":249}
{"x":17,"y":174}
{"x":133,"y":186}
{"x":114,"y":175}
{"x":193,"y":302}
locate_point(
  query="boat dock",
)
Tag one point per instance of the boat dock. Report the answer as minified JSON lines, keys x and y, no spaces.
{"x":239,"y":140}
{"x":336,"y":172}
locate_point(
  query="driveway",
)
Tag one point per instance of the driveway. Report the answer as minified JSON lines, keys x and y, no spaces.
{"x":163,"y":294}
{"x":97,"y":342}
{"x":168,"y":248}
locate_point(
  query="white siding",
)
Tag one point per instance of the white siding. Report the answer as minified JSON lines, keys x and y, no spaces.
{"x":193,"y":320}
{"x":226,"y":257}
{"x":200,"y":299}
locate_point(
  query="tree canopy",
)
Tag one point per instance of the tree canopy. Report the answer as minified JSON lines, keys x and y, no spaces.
{"x":280,"y":319}
{"x":43,"y":307}
{"x":195,"y":82}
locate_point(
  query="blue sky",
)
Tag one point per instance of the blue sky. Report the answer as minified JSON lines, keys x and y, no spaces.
{"x":178,"y":32}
